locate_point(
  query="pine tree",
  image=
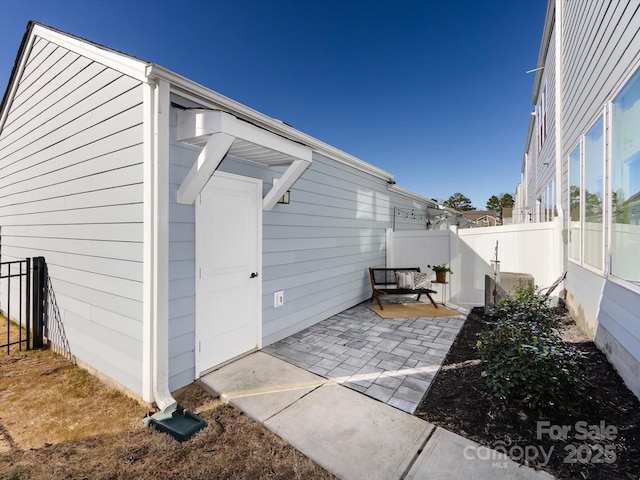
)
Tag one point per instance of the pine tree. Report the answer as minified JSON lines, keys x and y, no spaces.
{"x":459,"y":202}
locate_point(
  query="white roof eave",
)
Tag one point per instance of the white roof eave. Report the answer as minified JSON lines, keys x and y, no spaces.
{"x":126,"y":64}
{"x":412,"y":195}
{"x":211,"y":99}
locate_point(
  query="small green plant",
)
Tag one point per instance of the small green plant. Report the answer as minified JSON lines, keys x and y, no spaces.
{"x":440,"y":268}
{"x":526,"y":360}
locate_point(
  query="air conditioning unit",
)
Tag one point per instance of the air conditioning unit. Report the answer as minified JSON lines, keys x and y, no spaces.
{"x":502,"y":285}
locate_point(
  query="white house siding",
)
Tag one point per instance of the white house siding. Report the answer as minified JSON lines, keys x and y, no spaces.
{"x":71,"y":191}
{"x":601,"y":47}
{"x":182,"y":266}
{"x":317,"y":249}
{"x":543,"y":160}
{"x":618,"y":333}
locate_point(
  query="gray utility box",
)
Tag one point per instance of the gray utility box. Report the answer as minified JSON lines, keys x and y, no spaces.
{"x":496,"y":289}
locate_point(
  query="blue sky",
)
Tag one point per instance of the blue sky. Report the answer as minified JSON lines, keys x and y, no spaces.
{"x":433,"y":91}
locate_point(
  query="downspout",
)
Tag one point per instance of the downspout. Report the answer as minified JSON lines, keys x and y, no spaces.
{"x":558,"y":132}
{"x":156,"y":246}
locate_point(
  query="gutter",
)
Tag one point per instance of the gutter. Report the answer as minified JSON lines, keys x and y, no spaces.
{"x":414,"y":196}
{"x":558,"y":128}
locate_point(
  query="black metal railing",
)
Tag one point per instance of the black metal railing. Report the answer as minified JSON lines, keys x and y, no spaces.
{"x":17,"y":306}
{"x":24,"y":303}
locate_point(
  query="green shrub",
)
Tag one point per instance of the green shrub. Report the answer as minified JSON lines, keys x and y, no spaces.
{"x":526,"y":361}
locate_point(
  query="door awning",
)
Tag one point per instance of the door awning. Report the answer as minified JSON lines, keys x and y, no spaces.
{"x":221,"y":134}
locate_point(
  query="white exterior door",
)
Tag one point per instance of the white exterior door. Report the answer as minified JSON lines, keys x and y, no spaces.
{"x":228,"y":268}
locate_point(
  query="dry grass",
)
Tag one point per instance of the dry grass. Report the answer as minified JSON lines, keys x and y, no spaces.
{"x":57,"y":421}
{"x":13,"y":333}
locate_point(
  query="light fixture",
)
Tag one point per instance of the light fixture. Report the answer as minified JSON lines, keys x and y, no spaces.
{"x":285,"y":198}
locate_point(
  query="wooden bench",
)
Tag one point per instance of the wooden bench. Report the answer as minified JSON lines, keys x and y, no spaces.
{"x":385,"y":282}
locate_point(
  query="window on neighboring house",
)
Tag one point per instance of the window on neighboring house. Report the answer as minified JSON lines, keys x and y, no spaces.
{"x":625,"y":182}
{"x":575,"y":210}
{"x":542,"y":117}
{"x":593,"y":195}
{"x":549,"y":202}
{"x":544,"y":113}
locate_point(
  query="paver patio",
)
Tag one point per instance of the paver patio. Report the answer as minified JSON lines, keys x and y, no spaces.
{"x":391,"y":360}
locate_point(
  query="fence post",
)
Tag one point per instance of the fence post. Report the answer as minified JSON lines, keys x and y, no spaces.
{"x":28,"y":302}
{"x":39,"y":300}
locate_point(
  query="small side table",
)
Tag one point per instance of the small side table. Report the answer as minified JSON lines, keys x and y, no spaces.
{"x":444,"y":290}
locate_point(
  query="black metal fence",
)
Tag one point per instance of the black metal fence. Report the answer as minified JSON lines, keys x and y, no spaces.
{"x":23,"y":286}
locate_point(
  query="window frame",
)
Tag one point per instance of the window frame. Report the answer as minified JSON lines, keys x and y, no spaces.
{"x":605,"y":205}
{"x":611,"y":276}
{"x":605,"y":162}
{"x":579,"y":145}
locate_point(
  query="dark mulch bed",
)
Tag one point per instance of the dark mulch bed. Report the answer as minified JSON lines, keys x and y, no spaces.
{"x":460,"y":401}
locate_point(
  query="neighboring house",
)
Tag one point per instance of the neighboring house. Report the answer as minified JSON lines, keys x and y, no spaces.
{"x":443,"y":218}
{"x":482,"y":218}
{"x":155,"y":203}
{"x":582,"y":164}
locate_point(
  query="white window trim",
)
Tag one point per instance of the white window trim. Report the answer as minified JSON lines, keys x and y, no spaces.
{"x":577,"y":261}
{"x":608,"y":275}
{"x":605,"y":160}
{"x":606,"y":227}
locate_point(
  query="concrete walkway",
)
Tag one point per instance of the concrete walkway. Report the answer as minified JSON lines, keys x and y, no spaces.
{"x":350,"y":434}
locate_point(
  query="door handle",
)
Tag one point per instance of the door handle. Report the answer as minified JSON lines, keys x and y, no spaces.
{"x":253,"y":275}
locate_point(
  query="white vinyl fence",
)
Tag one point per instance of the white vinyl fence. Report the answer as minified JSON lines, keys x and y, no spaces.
{"x":533,"y":248}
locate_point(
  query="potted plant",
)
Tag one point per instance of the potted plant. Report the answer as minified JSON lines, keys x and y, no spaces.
{"x":441,"y":272}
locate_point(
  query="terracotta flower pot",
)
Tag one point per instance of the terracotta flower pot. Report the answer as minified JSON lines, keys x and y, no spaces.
{"x":441,"y":277}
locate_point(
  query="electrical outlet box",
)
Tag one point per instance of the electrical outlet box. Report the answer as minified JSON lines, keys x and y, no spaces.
{"x":278,"y":299}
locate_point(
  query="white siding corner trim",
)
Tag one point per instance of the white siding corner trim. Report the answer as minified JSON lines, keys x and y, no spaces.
{"x":147,"y":263}
{"x":222,"y":133}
